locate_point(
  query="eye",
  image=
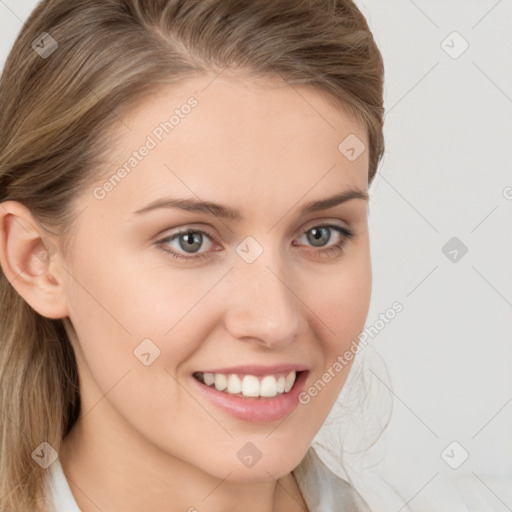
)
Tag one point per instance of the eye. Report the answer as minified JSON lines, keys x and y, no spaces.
{"x":320,"y":235}
{"x":190,"y":240}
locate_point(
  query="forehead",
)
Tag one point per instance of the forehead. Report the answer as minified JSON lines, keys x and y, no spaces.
{"x":236,"y":137}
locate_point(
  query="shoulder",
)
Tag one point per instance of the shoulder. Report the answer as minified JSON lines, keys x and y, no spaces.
{"x":323,"y":490}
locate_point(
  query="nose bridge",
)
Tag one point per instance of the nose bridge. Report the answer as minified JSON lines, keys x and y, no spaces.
{"x":262,"y":303}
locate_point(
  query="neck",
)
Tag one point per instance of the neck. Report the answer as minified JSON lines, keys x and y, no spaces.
{"x":116,"y":470}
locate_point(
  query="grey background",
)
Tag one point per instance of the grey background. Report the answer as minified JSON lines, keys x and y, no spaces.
{"x":445,"y":360}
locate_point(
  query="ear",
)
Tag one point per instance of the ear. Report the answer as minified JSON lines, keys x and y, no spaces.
{"x":28,"y":257}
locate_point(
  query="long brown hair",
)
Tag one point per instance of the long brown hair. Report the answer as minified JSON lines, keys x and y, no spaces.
{"x":73,"y":71}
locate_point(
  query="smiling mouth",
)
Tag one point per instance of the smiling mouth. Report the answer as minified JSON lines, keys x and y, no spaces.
{"x":250,"y":386}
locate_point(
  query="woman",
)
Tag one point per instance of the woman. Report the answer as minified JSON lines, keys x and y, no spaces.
{"x":185,"y":251}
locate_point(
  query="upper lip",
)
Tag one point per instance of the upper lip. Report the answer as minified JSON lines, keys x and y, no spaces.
{"x":257,"y":370}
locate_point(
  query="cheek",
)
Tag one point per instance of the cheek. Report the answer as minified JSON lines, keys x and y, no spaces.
{"x":344,"y":302}
{"x":133,"y":333}
{"x":342,"y":305}
{"x":125,"y":316}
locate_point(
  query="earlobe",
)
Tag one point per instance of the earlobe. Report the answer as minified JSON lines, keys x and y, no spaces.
{"x":28,"y":258}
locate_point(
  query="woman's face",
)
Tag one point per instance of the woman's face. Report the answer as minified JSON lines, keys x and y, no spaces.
{"x":260,"y":294}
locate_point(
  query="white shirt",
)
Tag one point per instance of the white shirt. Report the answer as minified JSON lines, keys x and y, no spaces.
{"x":322,"y":490}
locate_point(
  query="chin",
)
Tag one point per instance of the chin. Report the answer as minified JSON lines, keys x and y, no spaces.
{"x":252,"y":465}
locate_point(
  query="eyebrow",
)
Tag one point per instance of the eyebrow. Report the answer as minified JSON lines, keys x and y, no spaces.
{"x":226,"y":212}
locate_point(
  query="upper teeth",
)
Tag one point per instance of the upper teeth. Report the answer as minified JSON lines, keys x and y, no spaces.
{"x":250,"y":385}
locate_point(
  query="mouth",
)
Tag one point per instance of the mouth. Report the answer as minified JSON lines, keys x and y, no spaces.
{"x":248,"y":385}
{"x":260,"y":398}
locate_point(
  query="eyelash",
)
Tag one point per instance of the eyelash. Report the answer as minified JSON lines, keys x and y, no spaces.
{"x":329,"y":251}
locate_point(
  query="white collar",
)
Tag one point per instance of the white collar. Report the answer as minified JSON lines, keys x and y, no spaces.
{"x":323,"y":490}
{"x":63,"y":499}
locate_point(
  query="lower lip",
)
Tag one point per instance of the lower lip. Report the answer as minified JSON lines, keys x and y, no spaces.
{"x":255,"y":410}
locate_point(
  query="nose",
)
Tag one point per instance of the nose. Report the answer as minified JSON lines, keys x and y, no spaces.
{"x":263,"y":305}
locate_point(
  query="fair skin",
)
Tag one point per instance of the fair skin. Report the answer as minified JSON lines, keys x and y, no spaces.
{"x":146,"y":439}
